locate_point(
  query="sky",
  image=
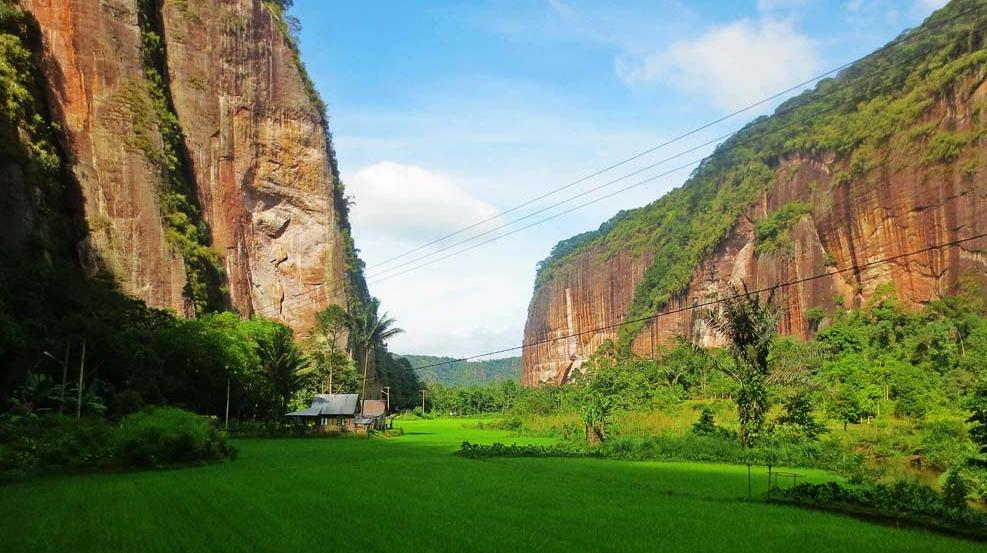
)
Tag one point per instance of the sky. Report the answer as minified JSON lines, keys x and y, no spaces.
{"x":446,"y":113}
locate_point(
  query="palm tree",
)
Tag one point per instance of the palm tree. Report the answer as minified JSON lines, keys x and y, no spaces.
{"x":285,"y":368}
{"x":749,"y":325}
{"x":372,"y":329}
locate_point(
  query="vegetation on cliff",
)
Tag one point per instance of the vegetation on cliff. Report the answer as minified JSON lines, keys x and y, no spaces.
{"x":159,"y":137}
{"x":27,"y":135}
{"x":862,"y":118}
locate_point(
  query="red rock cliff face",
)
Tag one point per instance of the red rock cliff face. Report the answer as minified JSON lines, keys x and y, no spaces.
{"x":94,"y":70}
{"x":906,"y":205}
{"x":257,"y":146}
{"x":260,"y":154}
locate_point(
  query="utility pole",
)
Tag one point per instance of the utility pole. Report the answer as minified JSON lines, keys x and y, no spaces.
{"x":65,"y":377}
{"x":82,"y":370}
{"x":387,"y":393}
{"x":227,"y":424}
{"x":423,"y":402}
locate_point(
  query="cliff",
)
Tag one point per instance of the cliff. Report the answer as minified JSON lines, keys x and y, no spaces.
{"x":883,"y":160}
{"x":196,"y":153}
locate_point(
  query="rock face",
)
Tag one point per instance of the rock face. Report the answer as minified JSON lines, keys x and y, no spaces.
{"x":260,"y":155}
{"x":253,"y":146}
{"x":92,"y":62}
{"x":906,"y":204}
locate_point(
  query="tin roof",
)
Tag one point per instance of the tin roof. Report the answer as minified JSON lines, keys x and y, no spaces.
{"x":329,"y":405}
{"x":374,"y":407}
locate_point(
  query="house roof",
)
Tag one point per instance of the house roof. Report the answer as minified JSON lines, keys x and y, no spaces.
{"x":374,"y":407}
{"x":329,"y":405}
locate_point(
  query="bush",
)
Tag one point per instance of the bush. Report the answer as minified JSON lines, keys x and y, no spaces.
{"x":35,"y":444}
{"x":168,"y":436}
{"x":912,"y":503}
{"x":497,"y":449}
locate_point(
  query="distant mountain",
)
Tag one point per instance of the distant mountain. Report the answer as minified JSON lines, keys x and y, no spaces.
{"x":465,"y":373}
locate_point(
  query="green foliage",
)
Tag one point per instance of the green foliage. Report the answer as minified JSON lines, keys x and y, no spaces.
{"x":161,"y":436}
{"x":169,"y":436}
{"x":860,"y":117}
{"x":978,"y":406}
{"x":398,"y":375}
{"x":772,"y":231}
{"x":749,"y":325}
{"x":706,"y":425}
{"x":799,"y":415}
{"x":954,"y":490}
{"x":158,"y":135}
{"x":945,"y":147}
{"x":903,"y":501}
{"x":464,"y":373}
{"x":498,"y":449}
{"x":283,"y":366}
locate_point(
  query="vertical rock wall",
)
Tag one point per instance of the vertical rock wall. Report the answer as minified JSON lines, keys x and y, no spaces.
{"x":907,"y":204}
{"x":260,"y":156}
{"x":98,"y":93}
{"x":256,"y":149}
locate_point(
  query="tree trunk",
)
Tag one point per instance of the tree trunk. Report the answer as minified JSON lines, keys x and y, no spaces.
{"x":366,"y":366}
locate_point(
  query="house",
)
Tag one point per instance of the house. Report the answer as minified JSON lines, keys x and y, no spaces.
{"x":331,"y":412}
{"x":343,"y":413}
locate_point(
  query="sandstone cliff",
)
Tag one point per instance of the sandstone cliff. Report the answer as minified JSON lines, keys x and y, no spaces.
{"x":897,"y":170}
{"x":201,"y":153}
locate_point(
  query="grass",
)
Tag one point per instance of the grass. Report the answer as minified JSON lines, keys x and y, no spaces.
{"x":411,"y":494}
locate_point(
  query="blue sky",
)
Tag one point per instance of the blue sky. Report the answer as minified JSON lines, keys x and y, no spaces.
{"x":446,"y":113}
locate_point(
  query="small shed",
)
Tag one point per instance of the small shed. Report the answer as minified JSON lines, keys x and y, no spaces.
{"x":373,"y":415}
{"x":331,"y":412}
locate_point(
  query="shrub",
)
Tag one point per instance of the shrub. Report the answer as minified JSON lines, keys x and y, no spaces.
{"x":945,"y":147}
{"x":955,"y":490}
{"x":913,"y":502}
{"x":167,"y":436}
{"x":35,"y":444}
{"x":497,"y":449}
{"x":706,"y":424}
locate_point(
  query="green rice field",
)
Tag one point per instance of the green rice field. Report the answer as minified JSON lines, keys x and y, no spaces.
{"x":411,"y":493}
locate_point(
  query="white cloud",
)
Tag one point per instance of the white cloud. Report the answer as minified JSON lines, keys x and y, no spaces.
{"x":408,"y":202}
{"x":732,"y":65}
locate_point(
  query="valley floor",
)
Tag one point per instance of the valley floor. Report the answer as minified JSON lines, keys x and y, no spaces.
{"x":411,"y":494}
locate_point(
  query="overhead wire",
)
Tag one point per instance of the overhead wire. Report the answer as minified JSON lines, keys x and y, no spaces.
{"x":299,"y":299}
{"x":709,"y":303}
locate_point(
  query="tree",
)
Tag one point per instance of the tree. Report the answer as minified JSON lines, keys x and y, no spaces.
{"x":706,"y":425}
{"x":955,"y":490}
{"x":595,"y":409}
{"x":749,"y":325}
{"x":372,"y":329}
{"x":846,"y":406}
{"x":327,"y":343}
{"x":284,"y":367}
{"x":978,"y":405}
{"x":798,"y":413}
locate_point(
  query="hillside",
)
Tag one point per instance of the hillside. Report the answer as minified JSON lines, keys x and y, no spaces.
{"x":884,"y":159}
{"x":465,"y":373}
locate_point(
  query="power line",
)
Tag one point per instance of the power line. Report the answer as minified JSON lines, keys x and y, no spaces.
{"x":676,"y":138}
{"x":540,"y":221}
{"x":714,"y":302}
{"x":302,"y":297}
